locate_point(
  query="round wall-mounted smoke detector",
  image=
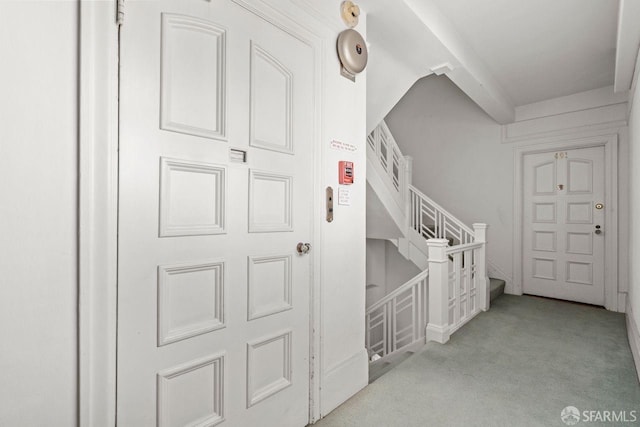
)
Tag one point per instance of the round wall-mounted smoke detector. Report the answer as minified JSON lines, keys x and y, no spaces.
{"x":350,"y":13}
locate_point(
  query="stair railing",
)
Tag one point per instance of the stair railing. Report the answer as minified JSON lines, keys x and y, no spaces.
{"x":458,"y":290}
{"x":399,"y":319}
{"x":432,"y":221}
{"x":455,"y":284}
{"x":390,"y":159}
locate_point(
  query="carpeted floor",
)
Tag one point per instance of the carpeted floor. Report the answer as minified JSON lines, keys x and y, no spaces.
{"x":519,"y":364}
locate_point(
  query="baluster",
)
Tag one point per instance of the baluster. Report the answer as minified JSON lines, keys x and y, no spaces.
{"x":385,"y":332}
{"x":414,"y":312}
{"x":468,"y":265}
{"x":457,"y":281}
{"x":392,"y":319}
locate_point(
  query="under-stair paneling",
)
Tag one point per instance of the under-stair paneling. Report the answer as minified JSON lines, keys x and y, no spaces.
{"x":380,"y":224}
{"x":387,"y":269}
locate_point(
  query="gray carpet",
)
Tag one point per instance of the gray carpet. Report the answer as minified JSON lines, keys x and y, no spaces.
{"x":518,"y":364}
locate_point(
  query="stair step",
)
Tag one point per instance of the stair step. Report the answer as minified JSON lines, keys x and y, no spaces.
{"x":497,"y":287}
{"x":381,"y":367}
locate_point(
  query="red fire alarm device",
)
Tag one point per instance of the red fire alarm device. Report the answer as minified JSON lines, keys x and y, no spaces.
{"x":345,"y":173}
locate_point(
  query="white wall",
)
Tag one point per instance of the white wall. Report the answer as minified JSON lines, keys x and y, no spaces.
{"x":376,"y":270}
{"x":344,"y":357}
{"x":458,"y":159}
{"x":464,"y":160}
{"x":387,"y":269}
{"x":38,"y":155}
{"x":634,"y":241}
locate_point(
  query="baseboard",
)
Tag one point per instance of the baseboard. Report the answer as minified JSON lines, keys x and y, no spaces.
{"x":343,"y":381}
{"x":634,"y":338}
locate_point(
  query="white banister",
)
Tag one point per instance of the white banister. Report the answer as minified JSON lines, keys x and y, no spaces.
{"x":408,"y":173}
{"x":438,"y":326}
{"x":432,"y":221}
{"x":389,"y":161}
{"x":453,"y":289}
{"x":398,"y":320}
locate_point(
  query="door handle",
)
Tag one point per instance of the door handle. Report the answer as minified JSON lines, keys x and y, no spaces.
{"x":303,"y":248}
{"x":598,"y":230}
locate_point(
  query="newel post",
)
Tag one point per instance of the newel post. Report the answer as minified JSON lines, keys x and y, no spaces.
{"x":438,"y":326}
{"x":408,"y":173}
{"x":483,"y":283}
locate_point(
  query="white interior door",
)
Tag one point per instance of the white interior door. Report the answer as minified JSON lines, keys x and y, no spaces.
{"x":563,"y":225}
{"x":213,"y":298}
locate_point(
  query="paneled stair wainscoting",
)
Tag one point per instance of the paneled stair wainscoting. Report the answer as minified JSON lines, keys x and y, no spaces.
{"x":452,"y":286}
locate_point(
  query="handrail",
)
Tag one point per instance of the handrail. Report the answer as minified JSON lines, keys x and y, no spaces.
{"x":445,"y":212}
{"x":391,"y":295}
{"x":399,"y":319}
{"x":389,"y":157}
{"x":461,"y":248}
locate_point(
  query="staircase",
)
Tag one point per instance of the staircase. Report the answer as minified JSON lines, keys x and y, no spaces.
{"x":452,"y":287}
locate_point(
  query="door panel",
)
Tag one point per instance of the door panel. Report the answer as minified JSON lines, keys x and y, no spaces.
{"x":213,"y":300}
{"x":563,"y":234}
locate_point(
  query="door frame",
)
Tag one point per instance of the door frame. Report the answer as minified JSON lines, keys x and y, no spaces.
{"x":610,"y":144}
{"x":98,"y":141}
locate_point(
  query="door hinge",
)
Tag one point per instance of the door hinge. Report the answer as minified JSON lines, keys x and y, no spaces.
{"x":120,"y":12}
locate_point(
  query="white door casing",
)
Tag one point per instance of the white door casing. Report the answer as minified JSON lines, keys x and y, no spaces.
{"x":563,"y":234}
{"x":213,"y":300}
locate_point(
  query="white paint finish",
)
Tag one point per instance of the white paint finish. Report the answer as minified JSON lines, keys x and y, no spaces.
{"x":540,"y":49}
{"x":612,"y":232}
{"x":588,"y":121}
{"x":97,"y":258}
{"x":271,"y":102}
{"x":142,"y":146}
{"x":269,"y":285}
{"x":344,"y":379}
{"x":190,"y":300}
{"x":627,"y":42}
{"x":581,"y":101}
{"x":574,"y":260}
{"x":380,"y":223}
{"x":470,"y":69}
{"x":633,"y":335}
{"x":99,"y":167}
{"x":270,"y":204}
{"x":38,"y":253}
{"x":386,"y":269}
{"x":193,"y":76}
{"x":454,"y":141}
{"x":192,"y":198}
{"x":268,"y":367}
{"x":192,"y":393}
{"x":634,"y":212}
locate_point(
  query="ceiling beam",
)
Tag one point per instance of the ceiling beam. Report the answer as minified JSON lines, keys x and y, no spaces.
{"x":627,"y":44}
{"x":467,"y":69}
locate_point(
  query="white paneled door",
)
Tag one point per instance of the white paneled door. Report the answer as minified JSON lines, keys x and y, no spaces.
{"x":563,"y":226}
{"x":216,"y":126}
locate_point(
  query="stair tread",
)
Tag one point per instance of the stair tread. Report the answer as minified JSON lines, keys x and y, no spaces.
{"x":496,"y":287}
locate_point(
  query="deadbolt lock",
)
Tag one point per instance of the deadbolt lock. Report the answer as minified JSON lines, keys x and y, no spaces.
{"x":599,"y":206}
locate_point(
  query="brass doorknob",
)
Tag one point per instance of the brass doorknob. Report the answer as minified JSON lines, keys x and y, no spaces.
{"x":303,"y":248}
